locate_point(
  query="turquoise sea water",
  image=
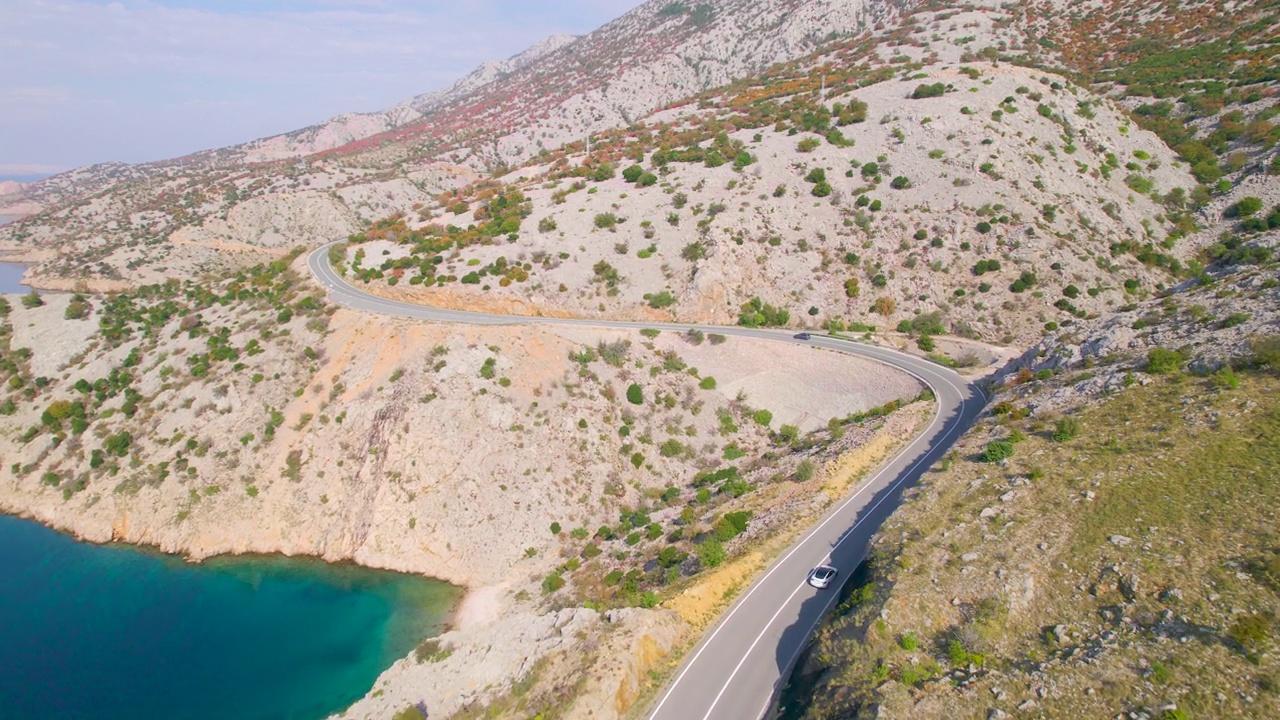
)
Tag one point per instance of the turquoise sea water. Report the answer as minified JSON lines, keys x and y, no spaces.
{"x":107,"y":632}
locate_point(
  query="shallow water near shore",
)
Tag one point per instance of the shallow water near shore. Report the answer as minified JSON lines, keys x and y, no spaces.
{"x":110,"y":632}
{"x":11,"y":278}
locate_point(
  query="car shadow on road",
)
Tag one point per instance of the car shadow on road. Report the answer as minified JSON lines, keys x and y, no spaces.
{"x":848,"y":555}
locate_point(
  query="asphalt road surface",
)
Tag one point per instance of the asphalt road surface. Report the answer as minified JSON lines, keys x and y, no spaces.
{"x":736,"y":671}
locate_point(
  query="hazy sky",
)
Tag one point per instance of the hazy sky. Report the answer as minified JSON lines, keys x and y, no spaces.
{"x":141,"y":80}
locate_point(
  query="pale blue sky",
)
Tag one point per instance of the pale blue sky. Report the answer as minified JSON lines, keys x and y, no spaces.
{"x":87,"y":81}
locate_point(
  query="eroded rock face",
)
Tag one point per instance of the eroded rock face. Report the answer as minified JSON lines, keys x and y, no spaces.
{"x":438,"y":471}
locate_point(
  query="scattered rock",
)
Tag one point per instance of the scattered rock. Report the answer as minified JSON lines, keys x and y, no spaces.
{"x":1129,"y":587}
{"x":1120,"y":540}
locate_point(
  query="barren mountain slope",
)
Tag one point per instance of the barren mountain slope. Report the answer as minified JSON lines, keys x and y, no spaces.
{"x":941,"y":206}
{"x":1120,"y":558}
{"x":557,"y":91}
{"x":350,"y":127}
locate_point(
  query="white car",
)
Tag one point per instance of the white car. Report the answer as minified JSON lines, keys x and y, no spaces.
{"x":821,"y":576}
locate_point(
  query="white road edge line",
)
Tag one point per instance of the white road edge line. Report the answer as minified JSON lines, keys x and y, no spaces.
{"x":888,"y":492}
{"x":777,"y":564}
{"x":320,"y":265}
{"x":750,"y":650}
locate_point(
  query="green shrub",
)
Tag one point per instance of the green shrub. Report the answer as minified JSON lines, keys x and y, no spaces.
{"x":731,"y":525}
{"x":671,"y":448}
{"x":32,"y":300}
{"x":1139,"y":184}
{"x":808,"y":145}
{"x":694,"y":251}
{"x":1162,"y":361}
{"x":635,"y":394}
{"x":757,"y":313}
{"x":711,"y":552}
{"x":660,"y":300}
{"x":606,"y":221}
{"x":928,"y":91}
{"x":763,"y":417}
{"x":671,"y":556}
{"x":118,"y":445}
{"x":708,"y":383}
{"x":985,"y":266}
{"x":1266,"y":351}
{"x":1025,"y":281}
{"x":900,"y":182}
{"x":1245,"y":207}
{"x":1250,"y":631}
{"x":996,"y":451}
{"x":1067,"y":428}
{"x":553,"y":582}
{"x":76,"y":310}
{"x":804,"y":471}
{"x":909,"y":641}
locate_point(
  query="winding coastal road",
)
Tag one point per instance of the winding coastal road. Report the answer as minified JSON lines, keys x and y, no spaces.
{"x":740,"y":666}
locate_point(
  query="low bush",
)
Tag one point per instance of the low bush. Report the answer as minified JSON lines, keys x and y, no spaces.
{"x":1068,"y":428}
{"x":928,"y":91}
{"x":996,"y":451}
{"x":1162,"y":361}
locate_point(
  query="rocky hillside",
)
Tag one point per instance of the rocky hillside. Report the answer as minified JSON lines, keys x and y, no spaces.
{"x":540,"y":469}
{"x":949,"y":164}
{"x":351,"y":127}
{"x":994,"y":208}
{"x":557,"y":92}
{"x":1102,"y":544}
{"x":1064,"y":177}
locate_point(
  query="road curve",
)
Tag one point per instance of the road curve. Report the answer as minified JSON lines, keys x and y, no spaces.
{"x":737,"y":669}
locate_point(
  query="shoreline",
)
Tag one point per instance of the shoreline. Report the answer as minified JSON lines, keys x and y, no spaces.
{"x":452,"y":622}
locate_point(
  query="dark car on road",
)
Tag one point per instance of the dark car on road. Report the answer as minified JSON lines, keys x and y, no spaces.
{"x":802,"y":336}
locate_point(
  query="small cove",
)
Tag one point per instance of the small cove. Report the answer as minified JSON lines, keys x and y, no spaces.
{"x":11,"y":278}
{"x":105,"y":632}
